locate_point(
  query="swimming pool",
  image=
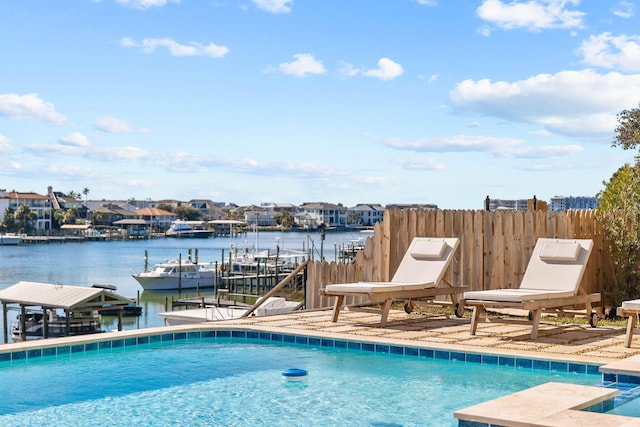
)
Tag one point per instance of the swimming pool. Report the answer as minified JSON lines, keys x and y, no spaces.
{"x":234,"y":379}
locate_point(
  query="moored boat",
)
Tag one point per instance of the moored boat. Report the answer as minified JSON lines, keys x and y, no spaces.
{"x":272,"y":305}
{"x":172,"y":275}
{"x":80,"y":323}
{"x":189,"y":229}
{"x":10,"y":239}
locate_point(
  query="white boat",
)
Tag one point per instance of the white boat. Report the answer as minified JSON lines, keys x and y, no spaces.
{"x":171,"y":275}
{"x":10,"y":239}
{"x":273,"y":305}
{"x":189,"y":229}
{"x":80,"y":323}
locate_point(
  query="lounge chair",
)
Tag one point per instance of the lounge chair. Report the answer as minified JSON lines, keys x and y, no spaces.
{"x":419,"y":276}
{"x":630,"y":309}
{"x":551,"y":281}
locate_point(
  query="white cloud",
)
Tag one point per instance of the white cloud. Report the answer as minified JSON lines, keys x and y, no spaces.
{"x":120,"y":153}
{"x":543,"y":151}
{"x":303,"y":65}
{"x":574,"y":103}
{"x":274,"y":6}
{"x":176,"y":49}
{"x":44,"y":150}
{"x":502,"y":147}
{"x":10,"y":167}
{"x":5,"y":147}
{"x":145,"y":4}
{"x":458,"y":143}
{"x":608,"y":51}
{"x":624,"y":9}
{"x":387,"y":70}
{"x":66,"y":147}
{"x":427,"y":2}
{"x":29,"y":106}
{"x":76,"y":139}
{"x":421,"y":163}
{"x":533,"y":15}
{"x":348,"y":70}
{"x":115,"y":125}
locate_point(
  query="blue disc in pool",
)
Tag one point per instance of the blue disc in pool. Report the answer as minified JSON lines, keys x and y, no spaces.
{"x":294,"y":373}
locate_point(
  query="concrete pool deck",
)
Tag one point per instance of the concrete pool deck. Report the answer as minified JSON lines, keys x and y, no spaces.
{"x":500,"y":336}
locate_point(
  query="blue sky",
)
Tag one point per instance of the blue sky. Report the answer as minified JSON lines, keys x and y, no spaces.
{"x":250,"y":101}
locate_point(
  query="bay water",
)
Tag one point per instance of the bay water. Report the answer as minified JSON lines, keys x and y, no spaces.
{"x":113,"y":262}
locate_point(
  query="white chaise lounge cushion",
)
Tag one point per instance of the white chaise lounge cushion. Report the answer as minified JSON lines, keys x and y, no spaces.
{"x":373,"y":287}
{"x":516,"y":295}
{"x":560,"y":251}
{"x":631,"y":305}
{"x":428,"y":249}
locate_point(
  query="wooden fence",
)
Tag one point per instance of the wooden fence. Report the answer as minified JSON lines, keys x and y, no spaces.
{"x":495,"y":247}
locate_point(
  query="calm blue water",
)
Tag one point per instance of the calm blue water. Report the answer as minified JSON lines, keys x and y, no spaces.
{"x":227,"y":383}
{"x":86,"y":263}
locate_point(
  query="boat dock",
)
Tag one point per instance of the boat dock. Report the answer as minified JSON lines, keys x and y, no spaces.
{"x":211,"y":301}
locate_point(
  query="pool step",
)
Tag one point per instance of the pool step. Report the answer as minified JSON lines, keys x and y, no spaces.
{"x":544,"y":405}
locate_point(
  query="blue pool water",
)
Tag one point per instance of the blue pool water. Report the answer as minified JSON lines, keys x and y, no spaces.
{"x":238,"y":382}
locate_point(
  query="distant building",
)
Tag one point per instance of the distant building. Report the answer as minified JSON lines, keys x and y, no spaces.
{"x":412,"y":206}
{"x":139,"y":204}
{"x":365,"y":214}
{"x":258,"y":215}
{"x":37,"y":203}
{"x":320,"y":214}
{"x":515,"y":204}
{"x":108,"y":214}
{"x":156,"y":218}
{"x":562,"y":203}
{"x":208,"y":209}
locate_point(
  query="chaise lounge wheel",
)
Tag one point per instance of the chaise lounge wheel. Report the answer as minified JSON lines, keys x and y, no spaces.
{"x":408,"y":307}
{"x":593,"y":319}
{"x":459,"y":310}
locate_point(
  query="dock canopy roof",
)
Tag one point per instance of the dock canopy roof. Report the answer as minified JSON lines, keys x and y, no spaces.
{"x":72,"y":298}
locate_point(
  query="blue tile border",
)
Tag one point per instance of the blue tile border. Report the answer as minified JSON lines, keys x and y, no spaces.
{"x":391,"y":350}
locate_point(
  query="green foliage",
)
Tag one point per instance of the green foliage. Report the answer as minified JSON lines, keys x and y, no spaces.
{"x":20,"y":220}
{"x":9,"y":222}
{"x":284,"y":219}
{"x":628,"y":130}
{"x":187,"y":213}
{"x":619,"y":216}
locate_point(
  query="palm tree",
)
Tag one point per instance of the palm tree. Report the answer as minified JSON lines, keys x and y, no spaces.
{"x":85,"y":191}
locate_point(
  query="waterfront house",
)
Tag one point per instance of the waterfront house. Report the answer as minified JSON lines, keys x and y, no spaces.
{"x":37,"y":203}
{"x":365,"y":214}
{"x":257,"y":215}
{"x":156,"y":218}
{"x":108,"y":214}
{"x":209,"y":210}
{"x":317,"y":214}
{"x":62,"y":201}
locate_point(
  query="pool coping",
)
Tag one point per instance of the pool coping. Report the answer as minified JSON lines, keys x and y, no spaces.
{"x":547,"y":404}
{"x":108,"y":340}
